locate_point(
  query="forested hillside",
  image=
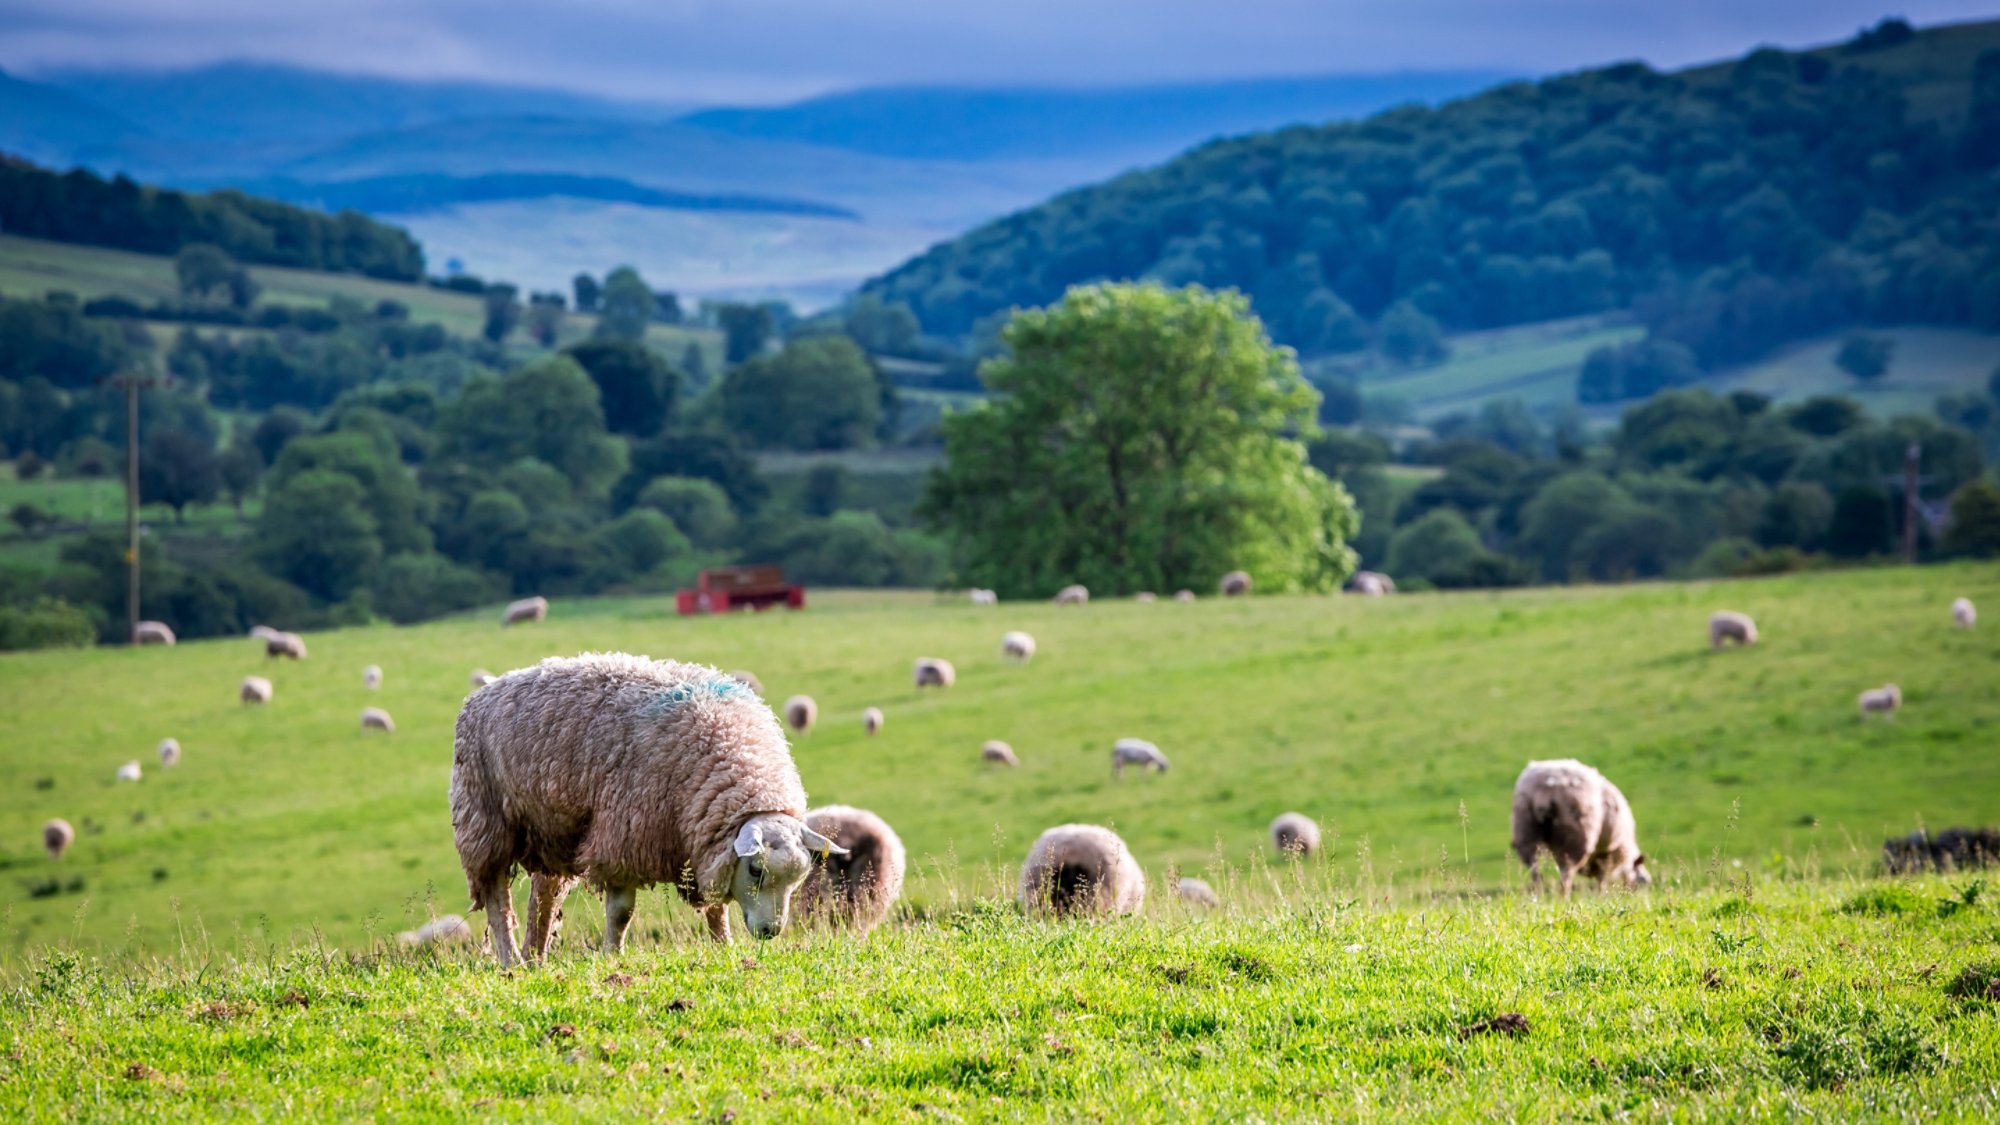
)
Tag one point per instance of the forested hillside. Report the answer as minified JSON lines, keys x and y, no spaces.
{"x":1732,"y":208}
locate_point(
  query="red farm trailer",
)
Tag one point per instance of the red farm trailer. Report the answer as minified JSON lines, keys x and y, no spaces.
{"x":732,"y":587}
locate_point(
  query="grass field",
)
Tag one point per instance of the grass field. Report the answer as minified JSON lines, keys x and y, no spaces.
{"x":1536,"y":363}
{"x":1927,"y":362}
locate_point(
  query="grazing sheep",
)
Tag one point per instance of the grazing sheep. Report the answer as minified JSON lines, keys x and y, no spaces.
{"x":1183,"y":595}
{"x":371,"y":677}
{"x":170,"y":752}
{"x":933,"y":672}
{"x":285,"y":644}
{"x":255,"y":689}
{"x":985,"y":597}
{"x":871,"y":720}
{"x":152,"y":633}
{"x":1953,"y":849}
{"x":263,"y":632}
{"x":801,"y":713}
{"x":1294,"y":834}
{"x":1136,"y":752}
{"x":1145,"y":597}
{"x":1081,"y":869}
{"x":129,"y":771}
{"x":1728,"y":625}
{"x":1018,"y":647}
{"x":749,"y":680}
{"x":1884,"y":700}
{"x":374,"y":718}
{"x":57,"y":836}
{"x":627,"y":772}
{"x":481,"y":677}
{"x":437,"y":931}
{"x":1582,"y":819}
{"x":1963,"y":614}
{"x":1372,"y":584}
{"x":1235,"y":584}
{"x":854,"y":888}
{"x":1195,"y":892}
{"x":998,"y":752}
{"x":527,"y":609}
{"x":1073,"y":595}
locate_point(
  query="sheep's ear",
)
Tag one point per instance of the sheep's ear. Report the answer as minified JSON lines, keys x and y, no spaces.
{"x":750,"y":841}
{"x":815,"y":842}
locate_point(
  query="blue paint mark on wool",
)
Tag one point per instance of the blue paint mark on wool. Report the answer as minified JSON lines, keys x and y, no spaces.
{"x":668,"y":701}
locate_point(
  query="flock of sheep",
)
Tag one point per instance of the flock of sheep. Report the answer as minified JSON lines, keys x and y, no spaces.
{"x":629,"y":772}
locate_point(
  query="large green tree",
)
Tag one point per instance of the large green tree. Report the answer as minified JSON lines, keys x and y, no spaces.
{"x":316,"y":533}
{"x":625,"y":307}
{"x":638,"y":388}
{"x":819,"y":393}
{"x":1140,"y":438}
{"x":549,"y":410}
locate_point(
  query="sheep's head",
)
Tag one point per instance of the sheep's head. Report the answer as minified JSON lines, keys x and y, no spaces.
{"x":774,"y":854}
{"x":1641,"y":877}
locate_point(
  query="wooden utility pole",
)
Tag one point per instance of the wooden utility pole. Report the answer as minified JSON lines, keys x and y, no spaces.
{"x":1911,"y":457}
{"x":132,"y":508}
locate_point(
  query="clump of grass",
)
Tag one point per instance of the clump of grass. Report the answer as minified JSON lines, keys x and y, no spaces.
{"x":1884,"y":899}
{"x":1977,"y":981}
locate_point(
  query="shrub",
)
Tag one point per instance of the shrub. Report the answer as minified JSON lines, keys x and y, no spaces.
{"x":410,"y":588}
{"x":48,"y":623}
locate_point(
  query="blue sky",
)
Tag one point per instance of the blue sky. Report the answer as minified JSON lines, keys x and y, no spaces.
{"x":773,"y":50}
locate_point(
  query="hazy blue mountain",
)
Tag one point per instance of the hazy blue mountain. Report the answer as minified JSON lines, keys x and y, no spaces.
{"x":986,"y":124}
{"x":404,"y":195}
{"x":44,"y":123}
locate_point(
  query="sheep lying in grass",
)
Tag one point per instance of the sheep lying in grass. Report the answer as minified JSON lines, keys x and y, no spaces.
{"x":1183,"y":595}
{"x":371,"y":677}
{"x":1136,"y":752}
{"x":1073,"y":595}
{"x":450,"y":927}
{"x":129,"y":771}
{"x":170,"y":752}
{"x":627,"y":772}
{"x":1582,"y":819}
{"x":801,"y":713}
{"x":481,"y":677}
{"x":1885,"y":700}
{"x":856,"y":888}
{"x":749,"y":680}
{"x":1081,"y":870}
{"x":1195,"y":892}
{"x":930,"y":671}
{"x":1018,"y":647}
{"x":57,"y":836}
{"x":1145,"y":597}
{"x":1954,"y":849}
{"x":1295,"y":834}
{"x":374,"y":718}
{"x":152,"y":633}
{"x":871,"y":720}
{"x":999,"y":753}
{"x":1372,"y":584}
{"x":1235,"y":584}
{"x":985,"y":597}
{"x":1728,"y":625}
{"x":255,"y":689}
{"x":525,"y":610}
{"x":288,"y":645}
{"x":1963,"y":614}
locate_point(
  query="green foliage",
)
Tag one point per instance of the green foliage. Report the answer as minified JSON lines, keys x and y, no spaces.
{"x":636,"y":543}
{"x":586,"y":291}
{"x":1975,"y":520}
{"x":503,"y":312}
{"x":549,"y":410}
{"x":178,"y":469}
{"x":1863,"y":523}
{"x":626,"y":306}
{"x":410,"y":588}
{"x":1435,"y":544}
{"x":1865,"y":357}
{"x":745,"y":330}
{"x":882,"y":328}
{"x":1637,"y":370}
{"x":317,"y":533}
{"x":697,"y":507}
{"x":1796,"y":514}
{"x":819,"y":393}
{"x":639,"y":390}
{"x":45,"y":623}
{"x":1409,"y":336}
{"x":395,"y":504}
{"x":52,"y":340}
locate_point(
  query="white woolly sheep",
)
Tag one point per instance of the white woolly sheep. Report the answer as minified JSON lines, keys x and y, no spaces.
{"x":374,"y":718}
{"x":263,"y":632}
{"x":930,"y":671}
{"x":1145,"y":597}
{"x":1196,"y":892}
{"x":1235,"y":584}
{"x":998,"y":753}
{"x":1884,"y":700}
{"x":1963,"y":614}
{"x":57,"y":836}
{"x":801,"y":713}
{"x":255,"y":689}
{"x":1372,"y":584}
{"x":1183,"y":595}
{"x":985,"y":597}
{"x":289,"y":645}
{"x":152,"y":633}
{"x":170,"y":752}
{"x":527,"y":609}
{"x":450,"y":927}
{"x":854,"y":889}
{"x":129,"y":771}
{"x":1582,"y":819}
{"x":1295,"y":834}
{"x":1728,"y":625}
{"x":1073,"y":595}
{"x":749,"y":680}
{"x":1136,"y":752}
{"x":481,"y":677}
{"x":1081,"y":870}
{"x":871,"y":720}
{"x":627,"y":772}
{"x":1018,"y":647}
{"x":371,"y":677}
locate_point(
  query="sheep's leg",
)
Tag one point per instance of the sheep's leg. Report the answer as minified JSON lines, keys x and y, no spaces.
{"x":497,"y":900}
{"x":619,"y":903}
{"x":1569,"y":871}
{"x":545,"y":899}
{"x":718,"y":921}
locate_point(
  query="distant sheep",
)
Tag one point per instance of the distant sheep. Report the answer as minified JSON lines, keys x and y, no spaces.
{"x":1183,"y":595}
{"x":1884,"y":700}
{"x":1963,"y":614}
{"x":1953,"y":849}
{"x":801,"y":713}
{"x":170,"y":752}
{"x":1728,"y":625}
{"x":289,"y":645}
{"x":1372,"y":584}
{"x":1145,"y":597}
{"x":255,"y":689}
{"x":999,"y":753}
{"x":626,"y":772}
{"x":152,"y":633}
{"x":749,"y":680}
{"x":263,"y":632}
{"x":129,"y":771}
{"x":1235,"y":584}
{"x":1081,"y":870}
{"x":450,"y":927}
{"x":1136,"y":752}
{"x":1295,"y":834}
{"x":374,"y":718}
{"x":481,"y":677}
{"x":1582,"y":819}
{"x":371,"y":677}
{"x":871,"y":720}
{"x":527,"y":609}
{"x":930,"y":671}
{"x":1018,"y":647}
{"x":57,"y":836}
{"x":985,"y":597}
{"x":1073,"y":595}
{"x":1195,"y":892}
{"x":854,"y":889}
